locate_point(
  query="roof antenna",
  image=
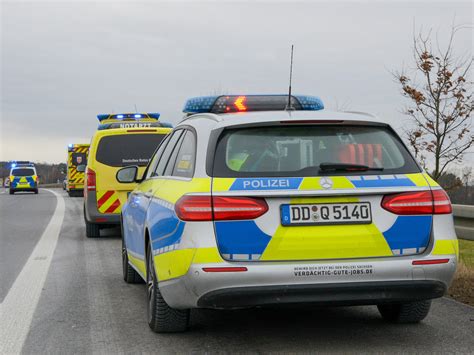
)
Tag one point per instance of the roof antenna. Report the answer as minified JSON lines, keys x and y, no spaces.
{"x":288,"y":104}
{"x":136,"y":110}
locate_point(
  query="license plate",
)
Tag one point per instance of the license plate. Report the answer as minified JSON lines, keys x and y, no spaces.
{"x":326,"y":213}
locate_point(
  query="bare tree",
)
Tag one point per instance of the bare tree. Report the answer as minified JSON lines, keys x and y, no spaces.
{"x":441,"y":102}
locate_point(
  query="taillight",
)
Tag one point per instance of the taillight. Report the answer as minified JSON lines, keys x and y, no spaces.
{"x":420,"y":202}
{"x":194,"y":208}
{"x":219,"y":208}
{"x":441,"y":202}
{"x":90,"y":179}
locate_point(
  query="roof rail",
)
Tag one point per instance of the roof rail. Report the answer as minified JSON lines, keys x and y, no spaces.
{"x":361,"y":113}
{"x":212,"y":117}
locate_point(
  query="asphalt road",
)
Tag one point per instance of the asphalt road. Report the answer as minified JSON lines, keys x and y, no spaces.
{"x":85,"y":307}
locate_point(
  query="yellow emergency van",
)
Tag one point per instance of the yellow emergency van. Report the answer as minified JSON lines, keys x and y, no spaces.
{"x":121,"y":140}
{"x":76,"y":166}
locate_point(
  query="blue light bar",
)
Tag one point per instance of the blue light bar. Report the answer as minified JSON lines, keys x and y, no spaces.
{"x":128,"y":116}
{"x":71,"y":145}
{"x":200,"y":104}
{"x":310,"y":103}
{"x":247,"y":103}
{"x":19,"y":163}
{"x":132,"y":124}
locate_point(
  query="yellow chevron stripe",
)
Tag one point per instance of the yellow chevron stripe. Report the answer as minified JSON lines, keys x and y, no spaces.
{"x":105,"y":206}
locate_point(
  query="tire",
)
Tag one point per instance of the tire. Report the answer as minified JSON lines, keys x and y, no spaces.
{"x":92,"y":230}
{"x":11,"y":191}
{"x":70,"y":193}
{"x":36,"y":192}
{"x":412,"y":312}
{"x":130,"y":276}
{"x":161,"y":317}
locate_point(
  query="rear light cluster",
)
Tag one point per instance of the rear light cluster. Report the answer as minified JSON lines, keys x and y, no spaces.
{"x":421,"y":202}
{"x":90,"y":179}
{"x":219,"y":208}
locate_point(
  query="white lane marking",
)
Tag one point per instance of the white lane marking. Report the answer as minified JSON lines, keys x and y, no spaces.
{"x":18,"y":307}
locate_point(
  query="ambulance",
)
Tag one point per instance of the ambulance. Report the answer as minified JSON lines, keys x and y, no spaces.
{"x":121,"y":140}
{"x":76,"y":166}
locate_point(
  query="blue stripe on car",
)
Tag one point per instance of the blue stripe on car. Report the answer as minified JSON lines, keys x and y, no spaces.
{"x":409,"y":232}
{"x":240,"y":237}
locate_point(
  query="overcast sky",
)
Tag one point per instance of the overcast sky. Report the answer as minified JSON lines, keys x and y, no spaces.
{"x":65,"y":62}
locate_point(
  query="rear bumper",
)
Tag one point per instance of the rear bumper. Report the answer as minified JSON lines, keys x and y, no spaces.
{"x":75,"y":187}
{"x":362,"y":293}
{"x":92,"y":214}
{"x":34,"y":188}
{"x":369,"y":281}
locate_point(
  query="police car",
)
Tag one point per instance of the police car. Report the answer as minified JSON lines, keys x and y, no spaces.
{"x":120,"y":140}
{"x":257,"y":201}
{"x":23,"y":177}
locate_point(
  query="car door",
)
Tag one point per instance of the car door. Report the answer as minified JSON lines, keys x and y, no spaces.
{"x":150,"y":189}
{"x":135,"y":215}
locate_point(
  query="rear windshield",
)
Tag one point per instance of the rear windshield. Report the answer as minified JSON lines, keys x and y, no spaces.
{"x":23,"y":172}
{"x":299,"y":151}
{"x":79,"y":159}
{"x":127,"y":149}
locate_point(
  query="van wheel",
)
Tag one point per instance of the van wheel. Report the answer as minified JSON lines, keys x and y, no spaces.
{"x":161,"y":317}
{"x":129,"y":274}
{"x":12,"y":192}
{"x":92,"y":230}
{"x":36,"y":192}
{"x":412,"y":312}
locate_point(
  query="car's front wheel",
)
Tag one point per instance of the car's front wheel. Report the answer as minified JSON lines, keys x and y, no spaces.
{"x":410,"y":312}
{"x":161,"y":317}
{"x":12,"y":192}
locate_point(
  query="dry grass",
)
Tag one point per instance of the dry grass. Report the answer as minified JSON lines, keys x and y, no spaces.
{"x":462,"y":288}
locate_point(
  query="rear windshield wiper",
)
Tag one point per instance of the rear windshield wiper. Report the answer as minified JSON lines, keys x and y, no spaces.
{"x":345,"y":167}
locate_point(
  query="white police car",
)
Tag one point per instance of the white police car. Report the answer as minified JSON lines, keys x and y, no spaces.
{"x":248,"y":203}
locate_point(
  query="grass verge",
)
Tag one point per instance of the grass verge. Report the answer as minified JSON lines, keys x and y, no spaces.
{"x":462,"y":288}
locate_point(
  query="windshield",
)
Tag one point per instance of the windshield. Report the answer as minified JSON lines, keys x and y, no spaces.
{"x":310,"y":150}
{"x":127,"y":149}
{"x":23,"y":172}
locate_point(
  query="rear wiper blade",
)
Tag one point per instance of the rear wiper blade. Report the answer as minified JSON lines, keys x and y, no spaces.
{"x":346,"y":167}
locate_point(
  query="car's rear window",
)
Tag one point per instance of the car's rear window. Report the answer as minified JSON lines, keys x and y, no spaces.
{"x":127,"y":149}
{"x":23,"y":172}
{"x":299,"y":151}
{"x":79,"y":159}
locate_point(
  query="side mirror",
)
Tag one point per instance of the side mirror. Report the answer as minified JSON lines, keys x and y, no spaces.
{"x":127,"y":174}
{"x":81,"y":168}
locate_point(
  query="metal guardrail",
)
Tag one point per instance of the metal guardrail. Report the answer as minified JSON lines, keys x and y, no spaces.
{"x":464,"y":221}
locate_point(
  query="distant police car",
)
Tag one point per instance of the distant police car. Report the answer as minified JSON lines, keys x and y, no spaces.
{"x":23,"y":177}
{"x":121,"y":139}
{"x":240,"y":209}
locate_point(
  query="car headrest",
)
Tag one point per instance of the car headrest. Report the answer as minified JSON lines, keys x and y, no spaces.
{"x":363,"y":154}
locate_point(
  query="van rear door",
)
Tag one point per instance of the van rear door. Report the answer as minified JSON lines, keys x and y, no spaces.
{"x":133,"y":147}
